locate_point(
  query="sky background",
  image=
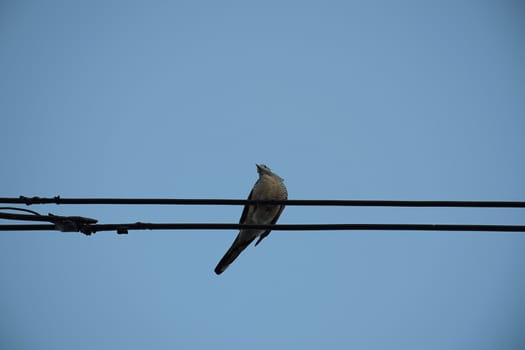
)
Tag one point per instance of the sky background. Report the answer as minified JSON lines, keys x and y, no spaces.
{"x":407,"y":100}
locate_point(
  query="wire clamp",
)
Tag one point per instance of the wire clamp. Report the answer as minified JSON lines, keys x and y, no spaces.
{"x":72,"y":223}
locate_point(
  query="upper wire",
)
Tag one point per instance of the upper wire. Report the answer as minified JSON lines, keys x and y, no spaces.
{"x":288,"y":202}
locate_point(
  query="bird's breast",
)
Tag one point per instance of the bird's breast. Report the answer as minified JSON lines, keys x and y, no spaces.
{"x":269,"y":188}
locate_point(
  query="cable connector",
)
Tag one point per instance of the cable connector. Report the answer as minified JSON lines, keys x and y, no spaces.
{"x":72,"y":223}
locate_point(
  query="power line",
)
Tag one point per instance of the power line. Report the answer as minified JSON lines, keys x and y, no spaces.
{"x":289,"y":202}
{"x":89,"y":225}
{"x":124,"y":228}
{"x":61,"y":223}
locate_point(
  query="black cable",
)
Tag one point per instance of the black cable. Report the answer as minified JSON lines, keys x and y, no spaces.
{"x":20,"y":209}
{"x":27,"y":228}
{"x":123,"y":228}
{"x":24,"y":217}
{"x":61,"y":223}
{"x":289,"y":202}
{"x":88,"y":225}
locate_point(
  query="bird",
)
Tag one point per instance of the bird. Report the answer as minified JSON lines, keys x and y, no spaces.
{"x":269,"y":186}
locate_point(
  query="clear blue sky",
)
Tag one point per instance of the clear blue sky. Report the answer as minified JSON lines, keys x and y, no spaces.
{"x":407,"y":100}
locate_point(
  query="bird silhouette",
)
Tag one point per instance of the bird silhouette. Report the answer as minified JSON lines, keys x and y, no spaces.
{"x":269,"y":186}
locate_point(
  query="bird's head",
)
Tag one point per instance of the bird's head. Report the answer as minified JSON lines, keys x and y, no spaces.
{"x":263,"y":169}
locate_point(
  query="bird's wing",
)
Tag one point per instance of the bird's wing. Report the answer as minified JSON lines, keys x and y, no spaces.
{"x":244,"y":214}
{"x":274,"y":220}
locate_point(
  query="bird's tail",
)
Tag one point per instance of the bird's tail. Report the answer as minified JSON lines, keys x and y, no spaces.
{"x":237,"y":247}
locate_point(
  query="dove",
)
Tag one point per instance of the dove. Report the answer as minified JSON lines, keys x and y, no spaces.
{"x":269,"y":186}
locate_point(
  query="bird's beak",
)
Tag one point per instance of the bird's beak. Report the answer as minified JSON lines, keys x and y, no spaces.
{"x":258,"y":166}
